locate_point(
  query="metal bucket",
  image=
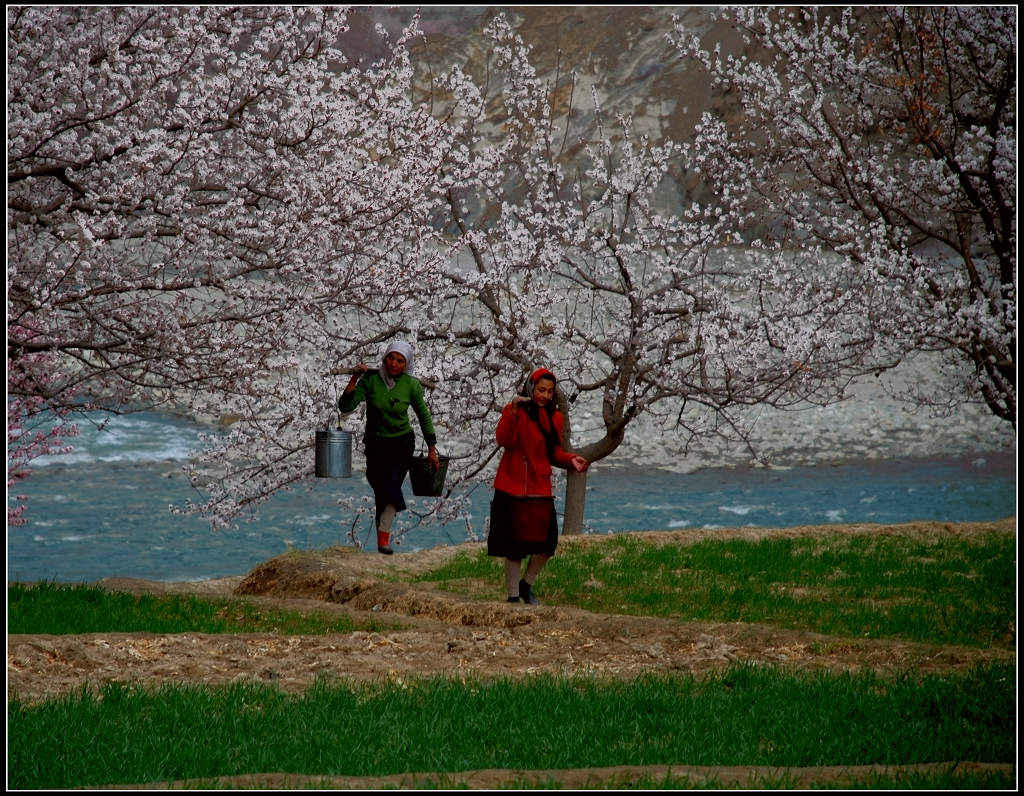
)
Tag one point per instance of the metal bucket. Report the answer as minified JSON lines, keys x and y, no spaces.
{"x":425,"y":480}
{"x":334,"y":454}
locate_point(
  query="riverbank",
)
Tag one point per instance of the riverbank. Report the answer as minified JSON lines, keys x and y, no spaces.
{"x":107,"y":519}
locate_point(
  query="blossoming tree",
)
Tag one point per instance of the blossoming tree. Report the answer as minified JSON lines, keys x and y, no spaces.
{"x":885,"y":139}
{"x":192,"y":192}
{"x":213,"y":210}
{"x":569,"y":262}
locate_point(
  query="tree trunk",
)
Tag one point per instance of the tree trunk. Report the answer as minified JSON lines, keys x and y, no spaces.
{"x":575,"y":503}
{"x":576,"y":483}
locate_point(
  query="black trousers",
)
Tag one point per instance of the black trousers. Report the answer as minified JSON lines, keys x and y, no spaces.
{"x":387,"y":461}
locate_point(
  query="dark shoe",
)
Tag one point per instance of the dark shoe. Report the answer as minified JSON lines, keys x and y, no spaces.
{"x":385,"y":549}
{"x":512,"y":600}
{"x":527,"y":593}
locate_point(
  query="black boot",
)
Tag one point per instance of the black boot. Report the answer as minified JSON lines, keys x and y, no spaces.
{"x":527,"y":593}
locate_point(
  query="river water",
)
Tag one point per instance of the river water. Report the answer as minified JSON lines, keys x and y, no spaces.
{"x":103,"y":510}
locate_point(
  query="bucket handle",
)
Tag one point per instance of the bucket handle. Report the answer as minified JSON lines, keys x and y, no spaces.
{"x":422,"y":453}
{"x":336,"y":413}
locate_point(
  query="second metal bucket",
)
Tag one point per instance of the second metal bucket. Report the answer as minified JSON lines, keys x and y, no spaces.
{"x":425,"y":479}
{"x":334,"y":454}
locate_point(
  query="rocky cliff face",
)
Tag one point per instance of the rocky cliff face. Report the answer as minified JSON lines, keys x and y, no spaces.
{"x":620,"y":52}
{"x":623,"y":52}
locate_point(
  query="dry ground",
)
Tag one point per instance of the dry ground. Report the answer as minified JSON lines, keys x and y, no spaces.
{"x":437,"y":633}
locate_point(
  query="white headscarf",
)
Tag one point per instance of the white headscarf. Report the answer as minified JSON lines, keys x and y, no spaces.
{"x":402,"y":348}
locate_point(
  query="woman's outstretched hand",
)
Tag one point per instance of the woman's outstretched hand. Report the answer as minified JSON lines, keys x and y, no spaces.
{"x":579,"y":464}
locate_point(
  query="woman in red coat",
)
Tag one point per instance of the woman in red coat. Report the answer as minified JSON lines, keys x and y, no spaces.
{"x":523,"y":521}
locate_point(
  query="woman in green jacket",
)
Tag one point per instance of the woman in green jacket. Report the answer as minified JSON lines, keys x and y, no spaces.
{"x":389,"y":438}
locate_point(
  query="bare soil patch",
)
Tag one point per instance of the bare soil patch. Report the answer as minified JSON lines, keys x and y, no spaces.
{"x":440,"y":634}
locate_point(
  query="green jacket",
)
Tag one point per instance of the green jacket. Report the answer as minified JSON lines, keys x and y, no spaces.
{"x":387,"y":411}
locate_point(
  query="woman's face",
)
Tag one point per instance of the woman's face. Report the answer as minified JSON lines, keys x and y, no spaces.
{"x":543,"y":391}
{"x":394,"y":363}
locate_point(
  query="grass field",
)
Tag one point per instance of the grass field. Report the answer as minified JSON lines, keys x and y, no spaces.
{"x":953,"y":590}
{"x":945,"y":591}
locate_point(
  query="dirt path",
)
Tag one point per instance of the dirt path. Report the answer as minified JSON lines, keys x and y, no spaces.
{"x":436,"y":633}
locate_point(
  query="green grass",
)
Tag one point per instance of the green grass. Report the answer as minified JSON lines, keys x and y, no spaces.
{"x":748,"y":715}
{"x":61,"y":609}
{"x":947,"y":590}
{"x":958,"y":590}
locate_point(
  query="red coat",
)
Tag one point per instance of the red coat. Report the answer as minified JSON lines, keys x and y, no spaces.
{"x":524,"y":469}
